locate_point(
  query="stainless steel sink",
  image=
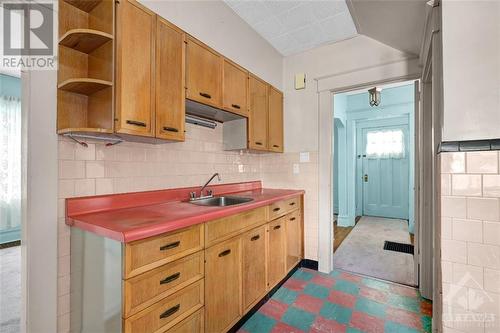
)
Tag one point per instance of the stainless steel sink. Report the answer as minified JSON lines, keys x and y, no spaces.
{"x":221,"y":201}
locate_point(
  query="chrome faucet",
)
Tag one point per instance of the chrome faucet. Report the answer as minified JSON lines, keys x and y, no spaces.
{"x":192,"y":195}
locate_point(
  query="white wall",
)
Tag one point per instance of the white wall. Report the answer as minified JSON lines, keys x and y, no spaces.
{"x":471,"y":69}
{"x":215,"y":24}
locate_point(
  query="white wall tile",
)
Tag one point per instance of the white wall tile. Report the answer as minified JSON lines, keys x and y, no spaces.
{"x":491,"y":232}
{"x":483,"y":209}
{"x":466,"y":185}
{"x":482,"y":162}
{"x":454,"y":251}
{"x":483,"y":255}
{"x":453,"y":206}
{"x":453,"y":163}
{"x":491,"y":186}
{"x":467,"y":275}
{"x":492,"y":280}
{"x":94,"y":169}
{"x":467,"y":230}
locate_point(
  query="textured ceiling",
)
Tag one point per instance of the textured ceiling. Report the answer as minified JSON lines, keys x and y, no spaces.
{"x":296,"y":26}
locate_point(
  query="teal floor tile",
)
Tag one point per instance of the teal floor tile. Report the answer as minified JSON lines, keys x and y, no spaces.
{"x":392,"y":327}
{"x":346,"y":286}
{"x":336,"y":312}
{"x":285,"y":295}
{"x":427,"y":324}
{"x":353,"y":330}
{"x":335,"y":273}
{"x":375,"y":284}
{"x":317,"y":291}
{"x":298,"y":318}
{"x":302,"y":275}
{"x":259,"y":323}
{"x":405,"y":303}
{"x":370,"y":307}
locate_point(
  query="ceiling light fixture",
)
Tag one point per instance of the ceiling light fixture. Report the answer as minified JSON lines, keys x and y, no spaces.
{"x":374,"y":97}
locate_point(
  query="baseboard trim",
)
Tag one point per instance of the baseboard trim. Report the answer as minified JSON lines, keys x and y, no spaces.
{"x":310,"y":264}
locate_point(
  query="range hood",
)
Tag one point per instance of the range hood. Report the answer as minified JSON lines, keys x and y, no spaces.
{"x":209,"y":112}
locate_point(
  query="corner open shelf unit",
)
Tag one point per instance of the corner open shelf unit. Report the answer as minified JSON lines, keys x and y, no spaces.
{"x":86,"y":75}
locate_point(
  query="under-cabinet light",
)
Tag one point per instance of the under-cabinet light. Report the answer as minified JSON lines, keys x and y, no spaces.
{"x":200,"y":121}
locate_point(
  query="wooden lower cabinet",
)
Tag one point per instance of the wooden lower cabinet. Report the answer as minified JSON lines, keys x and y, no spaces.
{"x":223,"y":285}
{"x":192,"y":324}
{"x":276,"y":252}
{"x":294,"y":244}
{"x":254,"y":282}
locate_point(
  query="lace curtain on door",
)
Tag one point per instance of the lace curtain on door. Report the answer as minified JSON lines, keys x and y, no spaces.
{"x":385,"y":144}
{"x":10,"y":163}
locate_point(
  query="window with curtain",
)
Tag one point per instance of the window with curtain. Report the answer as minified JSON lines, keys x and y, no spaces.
{"x":385,"y":144}
{"x":10,"y":159}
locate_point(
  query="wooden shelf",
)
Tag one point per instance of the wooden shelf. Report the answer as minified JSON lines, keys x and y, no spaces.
{"x":85,"y":5}
{"x":84,"y":86}
{"x":84,"y":40}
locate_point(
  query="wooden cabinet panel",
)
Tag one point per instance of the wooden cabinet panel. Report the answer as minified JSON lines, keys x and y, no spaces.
{"x":203,"y":74}
{"x":222,"y":283}
{"x":234,"y":88}
{"x":276,"y":252}
{"x":275,"y":120}
{"x":143,"y":255}
{"x":258,"y":118}
{"x":254,"y":282}
{"x":170,"y":83}
{"x":144,"y":290}
{"x":135,"y":66}
{"x":293,"y":239}
{"x":192,"y":324}
{"x":226,"y":227}
{"x":280,"y":208}
{"x":168,"y":312}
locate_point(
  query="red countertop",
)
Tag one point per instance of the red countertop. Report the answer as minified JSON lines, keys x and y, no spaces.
{"x":134,"y":216}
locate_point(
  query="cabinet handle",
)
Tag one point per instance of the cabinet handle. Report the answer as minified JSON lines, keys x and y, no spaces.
{"x":258,"y":143}
{"x":292,"y":219}
{"x":277,"y":227}
{"x":170,"y":311}
{"x":276,"y":146}
{"x":236,"y":106}
{"x":136,"y":123}
{"x":254,"y":238}
{"x":205,"y":95}
{"x":170,"y":278}
{"x":170,"y":129}
{"x":276,"y":209}
{"x":292,"y":203}
{"x":170,"y":246}
{"x":224,"y":253}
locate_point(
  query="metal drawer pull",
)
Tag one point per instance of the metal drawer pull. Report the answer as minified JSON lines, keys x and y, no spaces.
{"x":136,"y":123}
{"x":277,"y":227}
{"x":292,"y":219}
{"x":276,"y":209}
{"x":258,"y":143}
{"x":170,"y":246}
{"x":205,"y":95}
{"x":170,"y":278}
{"x":276,"y":146}
{"x":236,"y":106}
{"x":224,"y":253}
{"x":254,"y":238}
{"x":170,"y":129}
{"x":170,"y":311}
{"x":292,"y":203}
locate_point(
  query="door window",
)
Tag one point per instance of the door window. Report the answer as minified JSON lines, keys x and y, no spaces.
{"x":385,"y":144}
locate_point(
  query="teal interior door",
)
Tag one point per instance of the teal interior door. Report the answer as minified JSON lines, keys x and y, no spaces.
{"x":385,"y":172}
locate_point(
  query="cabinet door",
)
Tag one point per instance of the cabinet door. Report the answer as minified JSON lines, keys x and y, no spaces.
{"x":203,"y":74}
{"x":135,"y":82}
{"x":293,"y":239}
{"x":258,"y":118}
{"x":275,"y":120}
{"x":170,"y":91}
{"x":235,"y":88}
{"x":254,"y":266}
{"x":276,"y":255}
{"x":222,"y":285}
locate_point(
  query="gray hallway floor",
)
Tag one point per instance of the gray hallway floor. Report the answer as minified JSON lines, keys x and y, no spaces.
{"x":363,"y":250}
{"x":10,"y":289}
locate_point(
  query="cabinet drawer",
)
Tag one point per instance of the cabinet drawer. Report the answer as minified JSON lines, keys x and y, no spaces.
{"x":192,"y":324}
{"x":226,"y":227}
{"x":280,"y":208}
{"x":144,"y":290}
{"x":168,"y":312}
{"x":150,"y":253}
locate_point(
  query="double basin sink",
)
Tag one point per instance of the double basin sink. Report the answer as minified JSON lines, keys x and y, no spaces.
{"x":221,"y":201}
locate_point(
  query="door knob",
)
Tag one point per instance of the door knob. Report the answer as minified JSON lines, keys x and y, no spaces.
{"x":365,"y":178}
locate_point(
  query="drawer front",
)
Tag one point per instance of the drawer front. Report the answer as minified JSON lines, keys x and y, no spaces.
{"x":280,"y":208}
{"x":146,"y":289}
{"x":192,"y":324}
{"x":150,"y":253}
{"x":224,"y":228}
{"x":168,"y":312}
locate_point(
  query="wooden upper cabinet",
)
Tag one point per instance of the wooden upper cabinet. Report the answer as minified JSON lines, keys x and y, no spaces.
{"x":275,"y":120}
{"x":258,"y":118}
{"x":170,"y":83}
{"x":234,"y":88}
{"x":135,"y":69}
{"x":203,"y":74}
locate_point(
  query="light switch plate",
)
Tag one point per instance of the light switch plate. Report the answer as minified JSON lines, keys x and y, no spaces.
{"x":296,"y":168}
{"x":304,"y":157}
{"x":300,"y":81}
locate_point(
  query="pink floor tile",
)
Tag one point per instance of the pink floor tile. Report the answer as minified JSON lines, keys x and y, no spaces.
{"x":373,"y":294}
{"x":407,"y":318}
{"x":341,"y":298}
{"x":273,"y":309}
{"x":350,"y":277}
{"x":367,"y":323}
{"x":403,"y":291}
{"x":309,"y":303}
{"x":295,"y":285}
{"x":325,"y":281}
{"x":284,"y":328}
{"x":323,"y":325}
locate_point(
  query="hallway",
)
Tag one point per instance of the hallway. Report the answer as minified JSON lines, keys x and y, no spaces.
{"x":341,"y":302}
{"x":10,"y":289}
{"x":363,"y":252}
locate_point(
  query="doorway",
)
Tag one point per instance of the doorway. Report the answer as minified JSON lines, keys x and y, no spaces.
{"x":373,"y":183}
